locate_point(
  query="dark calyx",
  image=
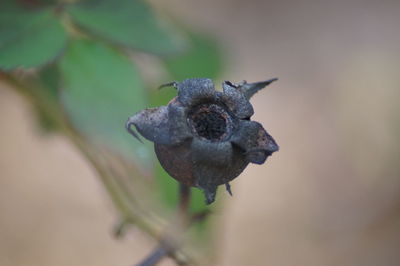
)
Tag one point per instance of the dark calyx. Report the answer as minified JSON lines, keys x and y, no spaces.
{"x":210,"y":121}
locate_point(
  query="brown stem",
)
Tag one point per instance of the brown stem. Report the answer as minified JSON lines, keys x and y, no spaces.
{"x":165,"y":248}
{"x":156,"y":256}
{"x":184,"y":200}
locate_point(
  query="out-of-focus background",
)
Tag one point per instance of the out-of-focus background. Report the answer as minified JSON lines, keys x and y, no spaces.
{"x":330,"y":196}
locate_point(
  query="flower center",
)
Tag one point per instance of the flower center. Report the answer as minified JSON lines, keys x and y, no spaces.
{"x":210,"y":121}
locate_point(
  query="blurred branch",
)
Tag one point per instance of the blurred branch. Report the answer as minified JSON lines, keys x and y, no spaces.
{"x":169,"y":246}
{"x":121,"y":197}
{"x":39,"y":99}
{"x":156,"y":256}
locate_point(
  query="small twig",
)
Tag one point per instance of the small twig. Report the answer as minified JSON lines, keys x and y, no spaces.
{"x":171,"y":84}
{"x":184,"y":200}
{"x":165,"y":248}
{"x":156,"y":256}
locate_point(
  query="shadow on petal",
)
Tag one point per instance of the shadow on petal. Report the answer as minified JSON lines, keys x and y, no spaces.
{"x":164,"y":125}
{"x":255,"y":141}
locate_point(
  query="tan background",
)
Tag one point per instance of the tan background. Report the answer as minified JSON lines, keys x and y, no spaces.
{"x":331,"y":196}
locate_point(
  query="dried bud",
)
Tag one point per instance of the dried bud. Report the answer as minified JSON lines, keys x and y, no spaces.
{"x":204,"y":138}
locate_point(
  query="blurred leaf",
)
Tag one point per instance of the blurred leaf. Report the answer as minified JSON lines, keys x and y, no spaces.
{"x":47,"y":1}
{"x":49,"y":83}
{"x":50,"y":79}
{"x":127,"y":22}
{"x":29,"y":39}
{"x":45,"y":122}
{"x":102,"y":88}
{"x":203,"y":59}
{"x":8,"y":5}
{"x":162,"y":96}
{"x":34,"y":4}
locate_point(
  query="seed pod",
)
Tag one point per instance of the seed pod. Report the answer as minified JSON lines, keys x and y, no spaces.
{"x":204,"y":138}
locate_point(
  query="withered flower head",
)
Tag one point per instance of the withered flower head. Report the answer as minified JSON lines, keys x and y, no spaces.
{"x":204,"y":138}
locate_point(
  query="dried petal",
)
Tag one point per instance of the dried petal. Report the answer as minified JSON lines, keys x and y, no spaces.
{"x":211,"y":161}
{"x":255,"y":141}
{"x":164,"y":125}
{"x":228,"y":188}
{"x":236,"y":101}
{"x":249,"y":89}
{"x":193,"y":91}
{"x":204,"y":138}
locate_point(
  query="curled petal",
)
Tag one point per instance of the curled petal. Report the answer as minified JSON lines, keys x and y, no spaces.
{"x":128,"y":127}
{"x":164,"y":125}
{"x":170,"y":84}
{"x":192,"y":91}
{"x":236,"y":101}
{"x":255,"y":141}
{"x":249,"y":89}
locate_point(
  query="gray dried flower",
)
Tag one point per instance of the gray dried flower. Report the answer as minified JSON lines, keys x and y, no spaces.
{"x":204,"y":138}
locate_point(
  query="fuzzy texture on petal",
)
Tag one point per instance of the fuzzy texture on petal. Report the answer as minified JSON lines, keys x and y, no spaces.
{"x":255,"y":141}
{"x":236,"y":101}
{"x":193,"y":91}
{"x":164,"y":125}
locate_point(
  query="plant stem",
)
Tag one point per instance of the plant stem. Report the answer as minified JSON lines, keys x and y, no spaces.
{"x":184,"y":200}
{"x":165,"y":248}
{"x":156,"y":256}
{"x":39,"y":98}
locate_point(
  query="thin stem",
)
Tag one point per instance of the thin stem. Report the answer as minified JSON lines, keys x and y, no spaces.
{"x":184,"y":200}
{"x":165,"y":248}
{"x":156,"y":256}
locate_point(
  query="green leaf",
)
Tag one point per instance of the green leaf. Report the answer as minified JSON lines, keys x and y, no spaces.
{"x":203,"y":59}
{"x":25,"y":4}
{"x":29,"y":39}
{"x":162,"y":96}
{"x":101,"y":89}
{"x":130,"y":23}
{"x":48,"y":80}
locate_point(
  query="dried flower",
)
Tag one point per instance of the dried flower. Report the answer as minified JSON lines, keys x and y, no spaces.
{"x":203,"y":137}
